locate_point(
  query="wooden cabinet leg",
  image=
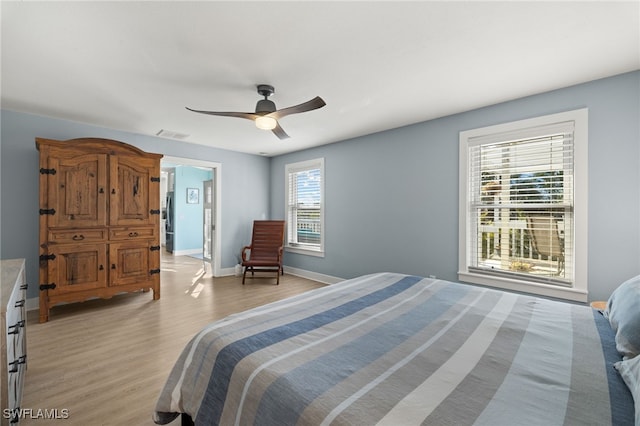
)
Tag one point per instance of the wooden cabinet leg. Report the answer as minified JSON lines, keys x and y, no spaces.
{"x":156,"y":292}
{"x":44,"y":307}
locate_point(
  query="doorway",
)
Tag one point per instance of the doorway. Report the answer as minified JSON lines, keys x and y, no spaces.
{"x":211,"y":197}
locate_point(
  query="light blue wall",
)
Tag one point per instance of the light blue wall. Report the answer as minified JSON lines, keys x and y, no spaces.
{"x":391,"y":198}
{"x":241,"y":174}
{"x":188,"y":220}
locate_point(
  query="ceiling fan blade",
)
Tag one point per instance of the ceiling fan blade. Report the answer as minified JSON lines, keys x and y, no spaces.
{"x":247,"y":115}
{"x":314,"y":103}
{"x":279,"y":132}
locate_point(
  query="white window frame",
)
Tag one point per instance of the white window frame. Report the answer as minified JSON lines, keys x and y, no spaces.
{"x":578,"y":290}
{"x":311,"y":250}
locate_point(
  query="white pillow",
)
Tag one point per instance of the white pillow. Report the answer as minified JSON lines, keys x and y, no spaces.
{"x":623,"y":313}
{"x":630,"y":372}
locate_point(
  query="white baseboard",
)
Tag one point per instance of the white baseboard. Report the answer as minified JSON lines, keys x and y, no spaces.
{"x":187,"y":252}
{"x":33,"y":304}
{"x":226,"y":272}
{"x":315,"y":276}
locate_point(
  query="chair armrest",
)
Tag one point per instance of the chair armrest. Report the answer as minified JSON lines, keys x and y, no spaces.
{"x":244,"y":253}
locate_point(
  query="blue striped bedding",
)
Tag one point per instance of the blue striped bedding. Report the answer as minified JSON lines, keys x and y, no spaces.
{"x":393,"y":349}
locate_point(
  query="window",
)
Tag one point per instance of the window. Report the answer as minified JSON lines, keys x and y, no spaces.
{"x":523,"y":205}
{"x":305,"y":207}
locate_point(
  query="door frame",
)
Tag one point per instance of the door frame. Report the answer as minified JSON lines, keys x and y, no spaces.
{"x":217,"y":185}
{"x":212,"y":230}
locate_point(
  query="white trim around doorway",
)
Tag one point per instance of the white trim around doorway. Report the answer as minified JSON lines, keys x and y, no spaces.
{"x":217,"y":272}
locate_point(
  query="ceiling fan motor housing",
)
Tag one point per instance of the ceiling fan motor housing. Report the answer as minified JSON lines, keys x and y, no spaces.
{"x":265,"y":106}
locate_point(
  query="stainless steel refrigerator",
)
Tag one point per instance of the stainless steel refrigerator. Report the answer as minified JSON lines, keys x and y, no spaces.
{"x":169,"y":223}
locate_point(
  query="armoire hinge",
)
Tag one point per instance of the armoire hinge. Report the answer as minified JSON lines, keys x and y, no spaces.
{"x":154,"y":248}
{"x":155,"y":179}
{"x":44,"y":171}
{"x":154,"y":211}
{"x":45,"y":257}
{"x":48,"y":211}
{"x":47,"y":286}
{"x":154,"y":271}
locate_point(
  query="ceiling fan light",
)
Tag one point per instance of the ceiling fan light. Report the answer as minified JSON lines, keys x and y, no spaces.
{"x":266,"y":123}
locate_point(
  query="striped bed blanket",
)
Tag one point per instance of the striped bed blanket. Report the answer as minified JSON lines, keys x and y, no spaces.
{"x":393,"y":349}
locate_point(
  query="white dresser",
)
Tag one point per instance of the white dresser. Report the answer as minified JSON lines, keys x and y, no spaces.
{"x":13,"y":340}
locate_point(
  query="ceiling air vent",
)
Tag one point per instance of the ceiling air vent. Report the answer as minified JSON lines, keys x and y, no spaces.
{"x":171,"y":135}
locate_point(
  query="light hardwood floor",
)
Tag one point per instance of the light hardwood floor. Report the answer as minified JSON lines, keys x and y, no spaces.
{"x":105,"y":361}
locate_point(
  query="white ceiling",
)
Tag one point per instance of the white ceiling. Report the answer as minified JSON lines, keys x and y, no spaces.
{"x":134,"y":66}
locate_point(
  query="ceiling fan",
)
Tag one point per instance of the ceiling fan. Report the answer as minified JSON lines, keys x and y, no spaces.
{"x":266,"y":116}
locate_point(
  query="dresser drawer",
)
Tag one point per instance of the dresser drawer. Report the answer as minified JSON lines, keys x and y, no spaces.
{"x":132,"y":233}
{"x":77,"y":235}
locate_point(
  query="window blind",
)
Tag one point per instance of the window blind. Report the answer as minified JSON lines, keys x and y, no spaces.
{"x":304,"y":205}
{"x":521,"y":204}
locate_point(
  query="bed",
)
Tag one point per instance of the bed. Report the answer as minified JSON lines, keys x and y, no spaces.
{"x":394,"y":349}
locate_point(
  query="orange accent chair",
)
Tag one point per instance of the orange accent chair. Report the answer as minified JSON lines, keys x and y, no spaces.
{"x":265,"y":252}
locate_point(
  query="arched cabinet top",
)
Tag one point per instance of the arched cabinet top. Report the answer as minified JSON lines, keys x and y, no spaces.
{"x":96,"y":145}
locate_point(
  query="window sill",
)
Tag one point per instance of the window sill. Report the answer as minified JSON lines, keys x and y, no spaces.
{"x":305,"y":251}
{"x":566,"y":293}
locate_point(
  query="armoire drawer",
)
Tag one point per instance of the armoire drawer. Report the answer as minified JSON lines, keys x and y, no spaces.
{"x":77,"y":235}
{"x":132,"y":233}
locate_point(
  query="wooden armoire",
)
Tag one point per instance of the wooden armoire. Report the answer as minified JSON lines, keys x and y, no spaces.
{"x":99,"y":220}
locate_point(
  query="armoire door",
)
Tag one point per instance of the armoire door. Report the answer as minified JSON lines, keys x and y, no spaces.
{"x":134,"y":188}
{"x":77,"y":190}
{"x":132,"y":262}
{"x":77,"y":267}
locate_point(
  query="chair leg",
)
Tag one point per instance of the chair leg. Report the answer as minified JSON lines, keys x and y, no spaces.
{"x":244,"y":274}
{"x":560,"y":265}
